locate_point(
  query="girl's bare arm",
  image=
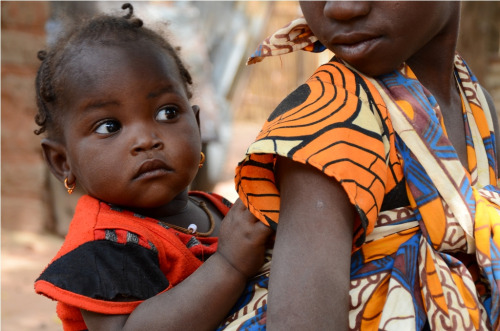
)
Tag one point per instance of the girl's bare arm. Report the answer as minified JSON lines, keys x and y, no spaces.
{"x":309,"y":282}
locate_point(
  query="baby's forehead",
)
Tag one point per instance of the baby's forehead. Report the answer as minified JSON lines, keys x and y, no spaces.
{"x":113,"y":45}
{"x":110,"y":57}
{"x":102,"y":68}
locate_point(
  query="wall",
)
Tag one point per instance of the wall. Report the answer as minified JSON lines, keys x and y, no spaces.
{"x":23,"y":172}
{"x":479,"y":43}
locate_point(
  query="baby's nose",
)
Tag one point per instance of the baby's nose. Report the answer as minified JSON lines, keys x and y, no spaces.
{"x":146,"y":140}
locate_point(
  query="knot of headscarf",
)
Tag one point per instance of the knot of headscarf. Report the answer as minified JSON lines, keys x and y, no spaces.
{"x":294,"y":36}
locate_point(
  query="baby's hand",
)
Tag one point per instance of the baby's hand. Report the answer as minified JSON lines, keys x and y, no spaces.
{"x":242,"y":240}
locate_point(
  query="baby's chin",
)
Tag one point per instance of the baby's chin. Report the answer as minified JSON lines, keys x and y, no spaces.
{"x":146,"y":210}
{"x":139,"y":206}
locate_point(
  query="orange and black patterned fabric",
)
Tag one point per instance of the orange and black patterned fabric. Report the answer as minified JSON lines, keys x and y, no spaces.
{"x":428,"y":261}
{"x":113,"y":259}
{"x":337,"y":123}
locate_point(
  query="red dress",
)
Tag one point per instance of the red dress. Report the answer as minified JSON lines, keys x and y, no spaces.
{"x":111,"y":253}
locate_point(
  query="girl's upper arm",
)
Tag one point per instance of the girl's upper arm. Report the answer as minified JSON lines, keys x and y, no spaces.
{"x":309,"y":283}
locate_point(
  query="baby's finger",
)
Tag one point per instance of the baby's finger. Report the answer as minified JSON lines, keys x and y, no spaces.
{"x":238,"y":204}
{"x":261,"y":227}
{"x":241,"y":206}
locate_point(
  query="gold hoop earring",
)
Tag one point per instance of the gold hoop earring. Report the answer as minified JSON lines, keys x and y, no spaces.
{"x":202,"y":160}
{"x":69,"y":188}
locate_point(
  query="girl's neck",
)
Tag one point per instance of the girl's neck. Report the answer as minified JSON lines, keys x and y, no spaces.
{"x":437,"y":75}
{"x":434,"y":64}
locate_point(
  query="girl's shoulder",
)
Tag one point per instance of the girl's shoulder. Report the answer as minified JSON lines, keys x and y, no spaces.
{"x":343,"y":77}
{"x":334,"y":93}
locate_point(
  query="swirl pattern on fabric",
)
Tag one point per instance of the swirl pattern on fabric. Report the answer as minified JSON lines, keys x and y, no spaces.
{"x":338,"y":109}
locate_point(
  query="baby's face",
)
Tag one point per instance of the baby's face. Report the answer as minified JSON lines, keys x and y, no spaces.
{"x":131,"y":134}
{"x":376,"y":37}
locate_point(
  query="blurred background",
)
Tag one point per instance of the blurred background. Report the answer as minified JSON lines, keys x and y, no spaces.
{"x":216,"y":38}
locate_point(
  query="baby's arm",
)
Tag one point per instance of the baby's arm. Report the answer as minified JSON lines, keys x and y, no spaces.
{"x":203,"y":299}
{"x":309,"y":281}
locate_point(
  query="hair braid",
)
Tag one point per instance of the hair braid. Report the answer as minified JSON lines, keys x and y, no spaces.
{"x":44,"y":93}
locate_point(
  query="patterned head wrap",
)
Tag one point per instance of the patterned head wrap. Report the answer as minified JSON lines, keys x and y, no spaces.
{"x":294,"y":36}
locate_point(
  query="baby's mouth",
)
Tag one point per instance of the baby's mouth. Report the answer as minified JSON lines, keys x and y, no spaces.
{"x":152,"y":168}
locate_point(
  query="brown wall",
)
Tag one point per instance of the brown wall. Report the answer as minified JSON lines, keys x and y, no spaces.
{"x":479,"y":43}
{"x":23,"y":172}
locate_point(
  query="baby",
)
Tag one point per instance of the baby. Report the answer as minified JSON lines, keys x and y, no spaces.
{"x":142,"y":252}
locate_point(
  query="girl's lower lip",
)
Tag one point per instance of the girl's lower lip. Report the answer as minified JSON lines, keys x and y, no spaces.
{"x":355,"y":50}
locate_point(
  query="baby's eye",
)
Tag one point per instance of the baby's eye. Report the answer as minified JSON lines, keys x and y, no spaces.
{"x":167,"y":113}
{"x":107,"y":127}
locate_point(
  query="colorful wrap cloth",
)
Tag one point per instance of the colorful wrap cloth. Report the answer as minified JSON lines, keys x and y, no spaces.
{"x":434,"y":263}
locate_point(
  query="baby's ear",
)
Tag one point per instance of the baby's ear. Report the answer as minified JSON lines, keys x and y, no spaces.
{"x":55,"y":155}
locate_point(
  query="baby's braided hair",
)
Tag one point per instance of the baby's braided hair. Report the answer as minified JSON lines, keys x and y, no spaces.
{"x":102,"y":28}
